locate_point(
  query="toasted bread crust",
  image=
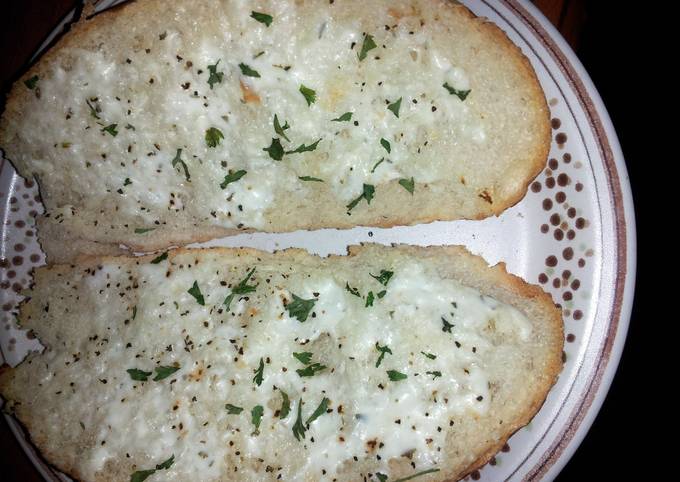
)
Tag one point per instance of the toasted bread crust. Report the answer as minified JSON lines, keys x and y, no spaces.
{"x":393,"y":207}
{"x":452,"y":262}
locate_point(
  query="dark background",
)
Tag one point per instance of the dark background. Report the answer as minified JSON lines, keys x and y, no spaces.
{"x":606,"y":37}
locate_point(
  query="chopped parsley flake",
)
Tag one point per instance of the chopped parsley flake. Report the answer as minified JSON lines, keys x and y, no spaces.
{"x":262,"y":17}
{"x":163,"y":372}
{"x":177,"y":161}
{"x":394,"y":107}
{"x":93,"y":110}
{"x":304,"y":357}
{"x":434,"y":374}
{"x":446,"y":326}
{"x":138,"y":375}
{"x":311,"y":370}
{"x":215,"y":76}
{"x":195,"y":291}
{"x":429,"y":355}
{"x":233,"y":409}
{"x":242,"y":288}
{"x":354,"y":291}
{"x":160,"y":258}
{"x":32,"y":82}
{"x":232,"y":177}
{"x":213,"y":137}
{"x":110,"y":129}
{"x":386,"y":144}
{"x":308,"y":94}
{"x":384,"y":277}
{"x":369,"y":44}
{"x":417,"y":474}
{"x":320,"y":410}
{"x":347,"y":116}
{"x":367,"y":194}
{"x":310,"y":179}
{"x":381,"y":477}
{"x":279,"y":129}
{"x":396,"y":376}
{"x":370,"y":297}
{"x":259,"y":373}
{"x":461,"y":94}
{"x":383,"y":351}
{"x":142,"y":475}
{"x":382,"y":293}
{"x":247,"y":71}
{"x":407,"y":184}
{"x":134,"y":312}
{"x":304,"y":148}
{"x":299,"y":427}
{"x":256,"y":416}
{"x":285,"y":405}
{"x":275,"y":150}
{"x":299,"y":308}
{"x":143,"y":230}
{"x":127,"y":182}
{"x":377,"y":164}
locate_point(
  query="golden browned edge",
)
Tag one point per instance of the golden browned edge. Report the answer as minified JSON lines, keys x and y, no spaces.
{"x":493,"y":275}
{"x":84,"y":29}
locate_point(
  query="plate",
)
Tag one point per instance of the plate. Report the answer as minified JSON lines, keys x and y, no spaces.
{"x":573,"y":234}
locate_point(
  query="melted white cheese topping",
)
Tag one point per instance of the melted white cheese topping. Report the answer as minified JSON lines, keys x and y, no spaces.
{"x":218,"y":354}
{"x":161,"y":101}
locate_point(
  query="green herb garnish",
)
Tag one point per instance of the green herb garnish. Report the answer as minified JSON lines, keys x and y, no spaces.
{"x":285,"y":405}
{"x":242,"y":288}
{"x":418,"y":474}
{"x":233,"y":409}
{"x":354,"y":291}
{"x":446,"y":326}
{"x":299,"y":308}
{"x":396,"y":376}
{"x":256,"y":416}
{"x":111,"y":129}
{"x":381,"y":477}
{"x":369,"y":44}
{"x":142,"y":475}
{"x":247,"y":71}
{"x":383,"y":351}
{"x":160,"y":258}
{"x":32,"y":82}
{"x":215,"y":76}
{"x":386,"y":144}
{"x":279,"y":129}
{"x":308,"y":94}
{"x":461,"y":94}
{"x":370,"y":297}
{"x":143,"y":230}
{"x":262,"y":17}
{"x":429,"y":355}
{"x":232,"y":177}
{"x":310,"y":179}
{"x":382,"y":293}
{"x":304,"y":148}
{"x":304,"y":357}
{"x":384,"y":277}
{"x":275,"y":150}
{"x":164,"y":372}
{"x":434,"y":374}
{"x":367,"y":194}
{"x":93,"y":110}
{"x":177,"y":161}
{"x":407,"y":184}
{"x":347,"y":116}
{"x":377,"y":164}
{"x":394,"y":107}
{"x":311,"y":370}
{"x":213,"y":136}
{"x":299,"y":427}
{"x":195,"y":291}
{"x":320,"y":410}
{"x":138,"y":375}
{"x":259,"y":373}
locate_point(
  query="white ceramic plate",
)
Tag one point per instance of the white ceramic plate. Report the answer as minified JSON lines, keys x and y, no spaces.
{"x":573,"y":234}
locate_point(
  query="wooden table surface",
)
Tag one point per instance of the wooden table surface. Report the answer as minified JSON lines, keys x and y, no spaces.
{"x":25,"y":24}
